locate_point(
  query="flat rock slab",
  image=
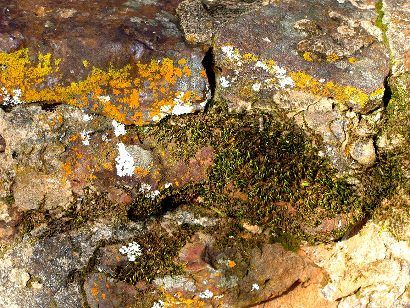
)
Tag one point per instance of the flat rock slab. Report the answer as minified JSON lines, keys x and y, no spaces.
{"x":396,"y":18}
{"x":325,"y":48}
{"x":124,"y":59}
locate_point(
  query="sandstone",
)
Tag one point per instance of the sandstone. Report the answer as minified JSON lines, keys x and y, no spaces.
{"x":380,"y":270}
{"x":286,"y":50}
{"x":397,"y":26}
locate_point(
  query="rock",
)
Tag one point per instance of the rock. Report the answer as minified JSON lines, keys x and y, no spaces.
{"x":380,"y":271}
{"x":397,"y":26}
{"x":363,"y":152}
{"x":46,"y":271}
{"x":306,"y":64}
{"x":35,"y":189}
{"x":130,"y":63}
{"x":102,"y":291}
{"x":197,"y":24}
{"x":318,"y":58}
{"x":19,"y":277}
{"x":4,"y":212}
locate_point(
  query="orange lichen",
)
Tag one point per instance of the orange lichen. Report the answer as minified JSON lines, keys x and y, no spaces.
{"x":115,"y":93}
{"x":231,"y":264}
{"x":178,"y":299}
{"x":305,"y":82}
{"x":94,"y":291}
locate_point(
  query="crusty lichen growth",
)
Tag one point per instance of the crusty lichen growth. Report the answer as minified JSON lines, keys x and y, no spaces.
{"x":114,"y":92}
{"x":283,"y":77}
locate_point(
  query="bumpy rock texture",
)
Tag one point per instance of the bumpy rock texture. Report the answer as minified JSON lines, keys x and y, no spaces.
{"x":124,"y":59}
{"x":290,"y":189}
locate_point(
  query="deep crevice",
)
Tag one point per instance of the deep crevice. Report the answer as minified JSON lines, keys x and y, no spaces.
{"x":50,"y":107}
{"x":387,"y":91}
{"x":209,"y":66}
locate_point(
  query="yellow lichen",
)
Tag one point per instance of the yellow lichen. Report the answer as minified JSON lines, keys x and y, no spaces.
{"x":332,"y":57}
{"x":114,"y":92}
{"x":178,"y":300}
{"x":308,"y":56}
{"x":304,"y":81}
{"x":377,"y":94}
{"x":352,"y":60}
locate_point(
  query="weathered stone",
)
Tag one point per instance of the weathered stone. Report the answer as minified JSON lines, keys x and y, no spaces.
{"x":322,"y":69}
{"x":197,"y":24}
{"x":200,"y":19}
{"x":380,"y":270}
{"x":363,"y":152}
{"x":285,"y":50}
{"x":397,"y":25}
{"x":45,"y":272}
{"x":102,"y":291}
{"x":126,"y":59}
{"x":35,"y":189}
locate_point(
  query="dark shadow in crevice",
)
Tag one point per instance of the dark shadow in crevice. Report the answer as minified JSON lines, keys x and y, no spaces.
{"x":48,"y":106}
{"x":387,"y":91}
{"x":143,"y":208}
{"x":209,"y":66}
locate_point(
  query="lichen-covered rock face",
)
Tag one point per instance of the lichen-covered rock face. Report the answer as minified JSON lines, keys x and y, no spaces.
{"x":397,"y":26}
{"x":225,"y":207}
{"x":123,"y":59}
{"x":335,"y":53}
{"x":322,"y":63}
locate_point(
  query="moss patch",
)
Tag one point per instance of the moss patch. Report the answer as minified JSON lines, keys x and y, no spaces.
{"x":158,"y":259}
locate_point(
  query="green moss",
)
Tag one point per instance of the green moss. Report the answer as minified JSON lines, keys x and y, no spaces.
{"x":379,"y":21}
{"x":269,"y":176}
{"x":159,"y":252}
{"x":9,"y":200}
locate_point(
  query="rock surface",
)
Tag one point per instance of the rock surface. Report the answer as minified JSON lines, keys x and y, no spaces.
{"x":124,"y":59}
{"x":303,"y":65}
{"x":104,"y":205}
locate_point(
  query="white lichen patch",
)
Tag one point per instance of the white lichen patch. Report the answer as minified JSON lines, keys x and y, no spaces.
{"x":104,"y":99}
{"x":283,"y":79}
{"x":119,"y":128}
{"x":125,"y":164}
{"x":146,"y":189}
{"x":11,"y":99}
{"x":85,"y":137}
{"x":255,"y":287}
{"x":181,"y":107}
{"x":225,"y":83}
{"x":206,"y":294}
{"x":158,"y":304}
{"x":232,"y":54}
{"x":133,"y":250}
{"x":256,"y":87}
{"x":87,"y":117}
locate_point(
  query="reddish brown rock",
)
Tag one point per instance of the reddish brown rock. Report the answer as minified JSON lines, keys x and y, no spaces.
{"x":124,"y":59}
{"x":102,"y":291}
